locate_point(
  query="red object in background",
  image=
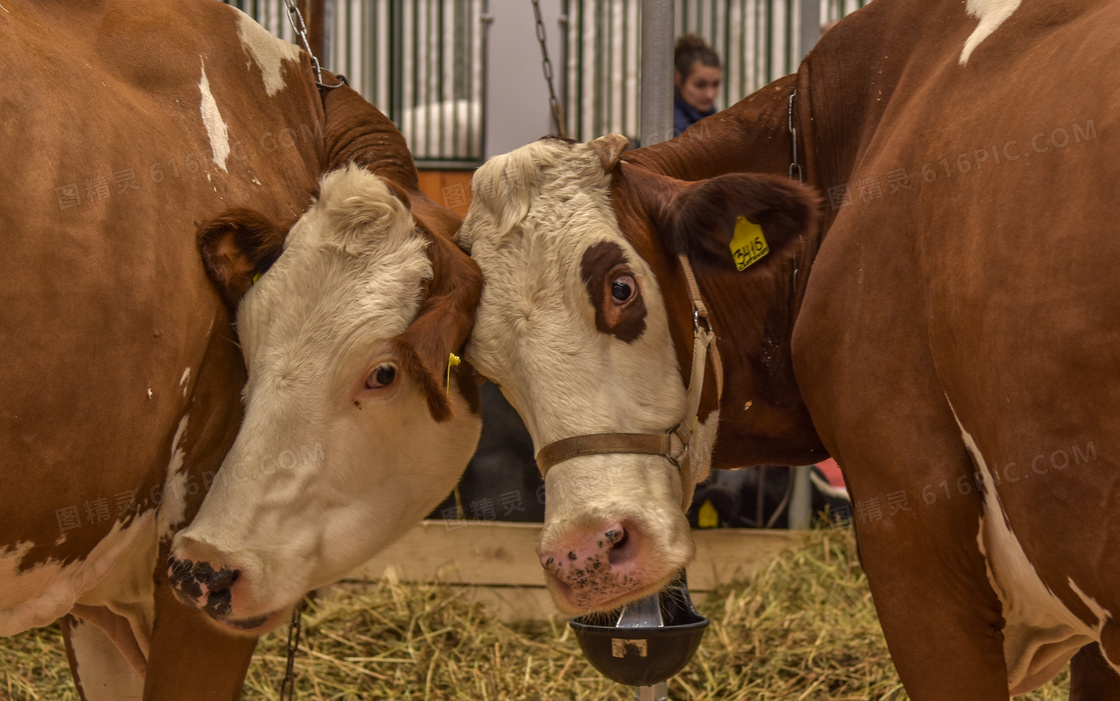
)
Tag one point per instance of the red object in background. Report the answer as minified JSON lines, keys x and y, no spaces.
{"x":832,"y":472}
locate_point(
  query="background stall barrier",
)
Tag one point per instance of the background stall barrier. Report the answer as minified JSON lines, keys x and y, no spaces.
{"x":462,"y":78}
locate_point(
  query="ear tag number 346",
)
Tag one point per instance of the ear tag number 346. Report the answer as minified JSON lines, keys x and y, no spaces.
{"x":748,"y":245}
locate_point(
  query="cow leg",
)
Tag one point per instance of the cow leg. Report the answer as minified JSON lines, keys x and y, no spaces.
{"x":1092,"y":678}
{"x":940,"y":615}
{"x":190,"y":658}
{"x":101,"y":671}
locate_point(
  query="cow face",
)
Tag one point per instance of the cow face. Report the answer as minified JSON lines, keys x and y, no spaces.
{"x":586,"y":324}
{"x":350,"y":435}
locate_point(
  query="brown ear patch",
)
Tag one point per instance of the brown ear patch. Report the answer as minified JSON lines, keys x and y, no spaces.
{"x":236,"y":246}
{"x":602,"y":267}
{"x":700,"y":220}
{"x":443,"y":324}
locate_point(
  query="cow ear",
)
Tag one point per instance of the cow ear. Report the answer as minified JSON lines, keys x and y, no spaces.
{"x":731,"y":221}
{"x":443,"y":324}
{"x":609,"y":148}
{"x":237,"y":247}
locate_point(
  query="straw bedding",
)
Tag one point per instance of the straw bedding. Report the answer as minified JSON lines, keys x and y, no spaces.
{"x":802,"y":629}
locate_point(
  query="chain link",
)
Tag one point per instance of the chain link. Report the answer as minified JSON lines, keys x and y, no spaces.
{"x":296,"y":19}
{"x":553,"y":103}
{"x":288,"y":686}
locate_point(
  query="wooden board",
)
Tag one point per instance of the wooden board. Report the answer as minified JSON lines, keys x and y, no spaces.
{"x":498,"y":561}
{"x":448,"y":188}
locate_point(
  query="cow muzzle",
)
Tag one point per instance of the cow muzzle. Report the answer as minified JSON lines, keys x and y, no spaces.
{"x":217,"y":591}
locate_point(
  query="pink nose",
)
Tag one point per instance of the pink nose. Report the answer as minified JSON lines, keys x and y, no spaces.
{"x":597,"y":564}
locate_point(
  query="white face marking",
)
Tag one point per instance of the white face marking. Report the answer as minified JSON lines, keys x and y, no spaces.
{"x":991,"y":13}
{"x":215,"y":125}
{"x":1040,"y":633}
{"x":172,"y":512}
{"x":536,"y":211}
{"x":325,"y":471}
{"x":104,"y":673}
{"x":268,"y":52}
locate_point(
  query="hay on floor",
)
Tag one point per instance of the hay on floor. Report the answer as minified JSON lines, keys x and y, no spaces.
{"x":802,"y":629}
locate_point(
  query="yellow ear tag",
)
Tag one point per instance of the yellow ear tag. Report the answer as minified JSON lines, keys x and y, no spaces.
{"x":256,"y":278}
{"x":708,"y":516}
{"x":748,"y":245}
{"x":452,"y":361}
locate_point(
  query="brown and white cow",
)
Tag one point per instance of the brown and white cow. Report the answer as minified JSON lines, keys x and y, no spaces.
{"x":350,"y":435}
{"x":948,"y":332}
{"x":123,"y":126}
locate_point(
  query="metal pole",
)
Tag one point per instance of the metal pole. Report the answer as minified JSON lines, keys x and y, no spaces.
{"x":810,"y":25}
{"x":657,"y":71}
{"x":657,"y":126}
{"x":801,"y":500}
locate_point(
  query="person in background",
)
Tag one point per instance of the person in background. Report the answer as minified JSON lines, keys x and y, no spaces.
{"x":697,"y":78}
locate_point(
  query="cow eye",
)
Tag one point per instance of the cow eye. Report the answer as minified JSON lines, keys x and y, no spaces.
{"x":622,"y":288}
{"x":382,"y":376}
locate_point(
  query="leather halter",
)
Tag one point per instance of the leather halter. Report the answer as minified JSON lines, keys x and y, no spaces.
{"x":674,"y":443}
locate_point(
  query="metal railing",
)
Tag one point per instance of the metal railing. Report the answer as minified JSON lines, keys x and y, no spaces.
{"x":758,"y":41}
{"x":422,"y":62}
{"x":419,"y":61}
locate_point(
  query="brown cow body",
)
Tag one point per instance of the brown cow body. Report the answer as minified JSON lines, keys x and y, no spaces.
{"x":948,"y":337}
{"x":123,"y":125}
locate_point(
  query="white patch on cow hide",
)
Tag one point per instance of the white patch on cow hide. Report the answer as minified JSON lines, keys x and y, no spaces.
{"x":268,"y":52}
{"x":215,"y":125}
{"x":102,"y":671}
{"x":186,"y":374}
{"x":1040,"y":634}
{"x":173,"y":510}
{"x":40,"y":595}
{"x":991,"y":13}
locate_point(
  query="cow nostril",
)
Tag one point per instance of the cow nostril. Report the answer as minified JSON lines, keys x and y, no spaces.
{"x":623,"y":548}
{"x":223,"y":578}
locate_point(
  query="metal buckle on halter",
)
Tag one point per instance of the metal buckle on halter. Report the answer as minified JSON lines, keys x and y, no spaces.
{"x":696,"y":317}
{"x":678,"y":457}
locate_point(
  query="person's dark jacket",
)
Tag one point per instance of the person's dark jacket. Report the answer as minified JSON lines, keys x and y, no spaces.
{"x":685,"y":115}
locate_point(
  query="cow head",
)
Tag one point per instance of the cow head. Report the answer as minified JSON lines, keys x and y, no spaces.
{"x":587,"y":325}
{"x":350,"y":434}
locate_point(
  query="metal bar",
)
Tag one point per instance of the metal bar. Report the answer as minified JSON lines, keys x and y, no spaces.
{"x":810,"y":25}
{"x":801,"y":500}
{"x":600,"y":44}
{"x":483,"y":29}
{"x":769,"y":42}
{"x":562,"y":23}
{"x":657,"y":692}
{"x":787,"y":58}
{"x":657,"y":70}
{"x":625,"y":63}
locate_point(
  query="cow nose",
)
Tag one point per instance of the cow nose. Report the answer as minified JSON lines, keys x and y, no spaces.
{"x":600,"y":560}
{"x":200,"y":585}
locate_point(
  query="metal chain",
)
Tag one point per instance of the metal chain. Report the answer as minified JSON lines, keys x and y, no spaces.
{"x":794,"y":166}
{"x":553,"y":103}
{"x":288,"y":686}
{"x":296,"y":18}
